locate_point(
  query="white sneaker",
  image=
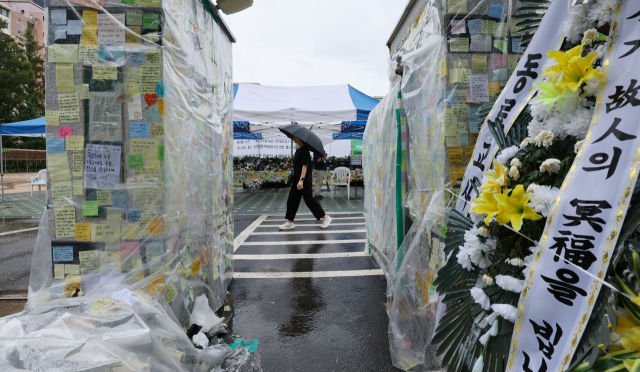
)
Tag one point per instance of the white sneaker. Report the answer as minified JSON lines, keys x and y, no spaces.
{"x":287,"y":226}
{"x":326,"y":222}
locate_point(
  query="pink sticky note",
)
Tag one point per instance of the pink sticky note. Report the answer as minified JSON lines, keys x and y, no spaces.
{"x":458,"y":27}
{"x":129,"y":249}
{"x":63,"y":132}
{"x":498,"y":60}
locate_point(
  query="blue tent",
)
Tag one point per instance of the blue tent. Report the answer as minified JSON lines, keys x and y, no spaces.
{"x":29,"y":128}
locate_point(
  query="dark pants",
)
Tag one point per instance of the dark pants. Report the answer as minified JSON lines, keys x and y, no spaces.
{"x":293,"y":202}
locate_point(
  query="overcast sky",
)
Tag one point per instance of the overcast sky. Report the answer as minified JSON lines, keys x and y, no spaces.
{"x":311,"y":42}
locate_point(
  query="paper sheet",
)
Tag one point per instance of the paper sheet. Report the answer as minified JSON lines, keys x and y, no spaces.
{"x":62,"y":53}
{"x":58,"y":166}
{"x":64,"y":77}
{"x":69,"y":108}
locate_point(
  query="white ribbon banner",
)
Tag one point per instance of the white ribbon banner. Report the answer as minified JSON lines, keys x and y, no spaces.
{"x":586,"y":219}
{"x":514,"y":97}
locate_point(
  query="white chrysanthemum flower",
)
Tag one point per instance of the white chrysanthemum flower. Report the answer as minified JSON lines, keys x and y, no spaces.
{"x":535,"y":127}
{"x":555,"y":124}
{"x":515,"y":162}
{"x":531,"y":188}
{"x":603,"y":11}
{"x":578,"y":23}
{"x":590,"y":35}
{"x":477,"y":218}
{"x":476,"y":249}
{"x":544,"y":139}
{"x":517,"y":262}
{"x":494,"y":328}
{"x":543,"y":198}
{"x":477,"y":367}
{"x":507,"y":154}
{"x":481,"y":298}
{"x":578,"y":146}
{"x":514,"y":173}
{"x":484,"y":338}
{"x":487,"y":320}
{"x":601,"y":50}
{"x":592,"y":86}
{"x":550,"y":166}
{"x":508,"y":312}
{"x":540,"y":111}
{"x":479,"y":257}
{"x":487,"y":279}
{"x":483,"y":231}
{"x":578,"y":123}
{"x":463,"y":258}
{"x":525,"y":142}
{"x":509,"y":283}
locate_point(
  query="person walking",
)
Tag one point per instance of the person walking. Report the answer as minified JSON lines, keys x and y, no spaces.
{"x":319,"y":167}
{"x":301,"y":188}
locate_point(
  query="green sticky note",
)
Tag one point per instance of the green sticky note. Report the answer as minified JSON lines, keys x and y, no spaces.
{"x":133,"y":18}
{"x":227,"y":261}
{"x":160,"y":152}
{"x":128,"y":1}
{"x":150,"y":21}
{"x":135,"y":161}
{"x":443,"y":230}
{"x":90,"y":208}
{"x":501,"y":45}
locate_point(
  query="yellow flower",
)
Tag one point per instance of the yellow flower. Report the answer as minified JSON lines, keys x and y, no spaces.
{"x":575,"y":68}
{"x":549,"y":93}
{"x":515,"y":208}
{"x":486,"y":203}
{"x":631,"y":339}
{"x":496,"y":179}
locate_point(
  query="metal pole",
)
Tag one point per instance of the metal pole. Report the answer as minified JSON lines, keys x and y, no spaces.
{"x":1,"y":168}
{"x":27,"y":162}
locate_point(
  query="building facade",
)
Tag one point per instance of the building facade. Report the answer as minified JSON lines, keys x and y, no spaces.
{"x":21,"y":15}
{"x":411,"y":13}
{"x":4,"y":18}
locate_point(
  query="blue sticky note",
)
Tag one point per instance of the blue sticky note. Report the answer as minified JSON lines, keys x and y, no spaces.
{"x":55,"y":145}
{"x":152,"y":115}
{"x":516,"y":45}
{"x":475,"y":26}
{"x":61,"y":33}
{"x":451,"y":97}
{"x":119,"y":200}
{"x":59,"y":16}
{"x":160,"y":90}
{"x":496,"y":10}
{"x":137,"y":58}
{"x":63,"y":254}
{"x":133,"y":214}
{"x":474,"y":123}
{"x":500,"y":74}
{"x":74,"y":27}
{"x":139,"y":129}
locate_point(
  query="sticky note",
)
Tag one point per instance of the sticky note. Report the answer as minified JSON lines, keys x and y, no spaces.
{"x":160,"y":152}
{"x":195,"y":267}
{"x":55,"y":145}
{"x":479,"y":88}
{"x":100,"y":304}
{"x":512,"y":61}
{"x":60,"y":33}
{"x":109,"y":29}
{"x":459,"y":45}
{"x":58,"y":271}
{"x":157,"y":130}
{"x":88,"y":55}
{"x":500,"y":74}
{"x":488,"y":27}
{"x":78,"y":167}
{"x":90,"y":208}
{"x":494,"y":87}
{"x":468,"y":152}
{"x":74,"y":27}
{"x":170,"y":293}
{"x":114,"y":213}
{"x":516,"y":45}
{"x":58,"y":165}
{"x":129,"y":231}
{"x":59,"y":16}
{"x":501,"y":29}
{"x":69,"y":108}
{"x":137,"y":57}
{"x":134,"y":18}
{"x":52,"y":117}
{"x":83,"y":232}
{"x":63,"y":132}
{"x":75,"y":143}
{"x":105,"y":232}
{"x":105,"y":72}
{"x":135,"y":161}
{"x":475,"y":26}
{"x":150,"y":21}
{"x":82,"y":90}
{"x":501,"y":44}
{"x":71,"y":282}
{"x":119,"y":200}
{"x":455,"y":155}
{"x":478,"y":62}
{"x":473,"y":137}
{"x":104,"y":197}
{"x":150,"y":73}
{"x":64,"y":77}
{"x":133,"y":214}
{"x":455,"y":173}
{"x":160,"y":89}
{"x":458,"y":27}
{"x":65,"y":220}
{"x":463,"y":138}
{"x":78,"y":186}
{"x":496,"y":10}
{"x":457,"y":6}
{"x":480,"y":43}
{"x":62,"y":53}
{"x":139,"y":129}
{"x":160,"y":105}
{"x":153,"y":56}
{"x":498,"y":60}
{"x":156,"y":284}
{"x":132,"y":81}
{"x":61,"y":254}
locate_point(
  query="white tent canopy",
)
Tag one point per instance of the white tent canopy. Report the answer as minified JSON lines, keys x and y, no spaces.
{"x":323,"y":109}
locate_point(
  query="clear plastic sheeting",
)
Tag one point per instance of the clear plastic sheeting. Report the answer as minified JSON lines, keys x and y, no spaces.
{"x":102,"y":334}
{"x":379,"y":147}
{"x":139,"y":137}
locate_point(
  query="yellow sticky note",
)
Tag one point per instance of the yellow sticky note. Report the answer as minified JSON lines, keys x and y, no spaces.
{"x":58,"y":271}
{"x":114,"y":213}
{"x":82,"y":90}
{"x":156,"y":284}
{"x":83,"y":232}
{"x":132,"y":81}
{"x":455,"y":173}
{"x":69,"y":108}
{"x":488,"y":27}
{"x":457,"y":6}
{"x":78,"y":167}
{"x":132,"y":39}
{"x":65,"y":219}
{"x":450,"y":123}
{"x":71,"y":283}
{"x":78,"y":187}
{"x":157,"y":130}
{"x":89,"y":36}
{"x":156,"y":225}
{"x":90,"y":18}
{"x":64,"y":77}
{"x":58,"y":165}
{"x":153,"y":56}
{"x":195,"y":267}
{"x":443,"y":68}
{"x":130,"y":231}
{"x":100,"y":304}
{"x":455,"y":155}
{"x":479,"y":62}
{"x":152,"y":164}
{"x":459,"y":45}
{"x":160,"y":105}
{"x":64,"y":53}
{"x":105,"y":72}
{"x":150,"y":73}
{"x":170,"y":293}
{"x":52,"y":117}
{"x":75,"y":143}
{"x":494,"y":87}
{"x":468,"y":153}
{"x":102,"y":232}
{"x":512,"y":61}
{"x":104,"y":197}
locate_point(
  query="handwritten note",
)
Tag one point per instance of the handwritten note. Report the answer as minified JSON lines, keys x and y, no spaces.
{"x":58,"y":166}
{"x":90,"y":208}
{"x":153,"y":56}
{"x":78,"y":165}
{"x":480,"y":43}
{"x":102,"y":159}
{"x":479,"y":86}
{"x":157,"y":130}
{"x":62,"y":254}
{"x":64,"y":77}
{"x":109,"y":31}
{"x":478,"y":62}
{"x":83,"y":232}
{"x":102,"y":232}
{"x":69,"y":108}
{"x":150,"y":21}
{"x":459,"y":45}
{"x":458,"y":27}
{"x":104,"y":197}
{"x":75,"y":143}
{"x":150,"y":73}
{"x":62,"y":53}
{"x":455,"y":155}
{"x":88,"y":55}
{"x":52,"y":117}
{"x":82,"y":90}
{"x":55,"y":145}
{"x":105,"y":72}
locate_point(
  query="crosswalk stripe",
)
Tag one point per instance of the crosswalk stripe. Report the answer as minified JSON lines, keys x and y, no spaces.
{"x":306,"y":232}
{"x":313,"y":219}
{"x":303,"y":242}
{"x":307,"y":274}
{"x":298,"y":256}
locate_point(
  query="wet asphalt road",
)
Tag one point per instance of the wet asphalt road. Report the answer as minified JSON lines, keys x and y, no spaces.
{"x":314,"y":323}
{"x":15,"y":254}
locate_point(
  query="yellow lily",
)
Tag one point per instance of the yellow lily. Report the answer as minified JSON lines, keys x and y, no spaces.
{"x":549,"y":93}
{"x":496,"y":179}
{"x":515,"y":208}
{"x":575,"y":68}
{"x":486,"y":203}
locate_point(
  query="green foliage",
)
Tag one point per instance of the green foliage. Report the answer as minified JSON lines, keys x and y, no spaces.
{"x":533,"y":156}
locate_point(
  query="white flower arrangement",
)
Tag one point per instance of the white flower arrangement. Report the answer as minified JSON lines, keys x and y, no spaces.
{"x":603,"y":11}
{"x":506,"y":311}
{"x":507,"y":154}
{"x":509,"y":283}
{"x":579,"y":21}
{"x":543,"y":198}
{"x":550,"y":166}
{"x":481,"y":298}
{"x":544,"y":139}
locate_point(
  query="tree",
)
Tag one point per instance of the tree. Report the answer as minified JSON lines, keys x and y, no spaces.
{"x":35,"y":86}
{"x":15,"y":75}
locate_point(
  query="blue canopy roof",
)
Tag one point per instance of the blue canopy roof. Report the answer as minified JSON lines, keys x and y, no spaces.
{"x":29,"y":128}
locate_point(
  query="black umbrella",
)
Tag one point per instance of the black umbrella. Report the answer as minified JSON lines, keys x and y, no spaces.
{"x":304,"y":134}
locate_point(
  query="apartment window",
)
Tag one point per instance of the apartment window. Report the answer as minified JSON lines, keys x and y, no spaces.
{"x":4,"y":12}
